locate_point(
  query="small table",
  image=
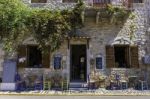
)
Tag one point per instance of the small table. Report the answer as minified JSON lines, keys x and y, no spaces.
{"x":124,"y":84}
{"x":143,"y":85}
{"x":132,"y":81}
{"x":91,"y":84}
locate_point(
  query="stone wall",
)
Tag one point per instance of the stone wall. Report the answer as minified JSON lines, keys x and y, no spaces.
{"x":1,"y":60}
{"x":147,"y":6}
{"x":51,"y":4}
{"x":58,"y":4}
{"x":101,"y":34}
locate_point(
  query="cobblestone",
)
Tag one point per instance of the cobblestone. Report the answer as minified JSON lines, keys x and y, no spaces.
{"x":101,"y":91}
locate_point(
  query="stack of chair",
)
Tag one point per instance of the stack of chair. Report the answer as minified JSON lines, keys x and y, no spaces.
{"x":46,"y":83}
{"x":38,"y":85}
{"x":118,"y":80}
{"x":142,"y":82}
{"x":65,"y":84}
{"x":124,"y":81}
{"x":31,"y":82}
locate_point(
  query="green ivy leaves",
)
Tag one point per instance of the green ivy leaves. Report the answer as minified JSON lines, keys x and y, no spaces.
{"x":48,"y":27}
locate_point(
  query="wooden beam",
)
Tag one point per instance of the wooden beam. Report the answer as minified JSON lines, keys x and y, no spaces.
{"x":68,"y":42}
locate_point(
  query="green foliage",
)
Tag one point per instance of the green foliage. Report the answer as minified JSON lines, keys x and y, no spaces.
{"x":76,"y":19}
{"x":49,"y":28}
{"x":115,"y":13}
{"x":132,"y":27}
{"x":13,"y":22}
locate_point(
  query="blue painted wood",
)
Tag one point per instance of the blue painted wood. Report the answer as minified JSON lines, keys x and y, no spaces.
{"x":9,"y":71}
{"x":57,"y":62}
{"x":99,"y":63}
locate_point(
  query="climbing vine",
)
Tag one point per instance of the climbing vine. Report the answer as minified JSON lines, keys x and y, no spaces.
{"x":115,"y":14}
{"x":48,"y":27}
{"x":13,"y":23}
{"x":132,"y":27}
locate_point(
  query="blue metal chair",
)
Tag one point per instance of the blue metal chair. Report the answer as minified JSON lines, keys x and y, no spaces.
{"x":38,"y":85}
{"x":115,"y":84}
{"x":142,"y":83}
{"x":20,"y":84}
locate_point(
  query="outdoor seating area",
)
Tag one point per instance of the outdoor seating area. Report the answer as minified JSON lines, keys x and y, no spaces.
{"x":40,"y":82}
{"x":114,"y":80}
{"x":117,"y":81}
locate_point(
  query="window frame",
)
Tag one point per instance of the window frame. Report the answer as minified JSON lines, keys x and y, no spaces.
{"x":25,"y":48}
{"x":107,"y":47}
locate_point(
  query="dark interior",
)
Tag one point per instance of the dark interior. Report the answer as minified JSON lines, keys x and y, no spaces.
{"x":69,"y":1}
{"x":121,"y":56}
{"x":38,"y":1}
{"x":137,"y":1}
{"x":34,"y":57}
{"x":78,"y":63}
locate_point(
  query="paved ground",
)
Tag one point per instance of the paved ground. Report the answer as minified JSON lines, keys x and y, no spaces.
{"x":74,"y":97}
{"x":98,"y":92}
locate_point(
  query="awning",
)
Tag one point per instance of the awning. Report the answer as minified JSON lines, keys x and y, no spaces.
{"x":122,"y":41}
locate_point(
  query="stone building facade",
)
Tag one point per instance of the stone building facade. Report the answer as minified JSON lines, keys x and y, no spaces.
{"x":92,"y":43}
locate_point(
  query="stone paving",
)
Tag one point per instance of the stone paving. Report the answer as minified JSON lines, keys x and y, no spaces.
{"x":101,"y":92}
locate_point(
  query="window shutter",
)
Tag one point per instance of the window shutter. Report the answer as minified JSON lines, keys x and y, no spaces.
{"x":22,"y":56}
{"x":110,"y":59}
{"x":134,"y":56}
{"x":46,"y":60}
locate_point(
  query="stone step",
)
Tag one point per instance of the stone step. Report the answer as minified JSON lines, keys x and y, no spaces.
{"x":78,"y":85}
{"x":78,"y":89}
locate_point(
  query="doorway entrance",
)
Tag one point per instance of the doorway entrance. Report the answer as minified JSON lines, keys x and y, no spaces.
{"x":78,"y":66}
